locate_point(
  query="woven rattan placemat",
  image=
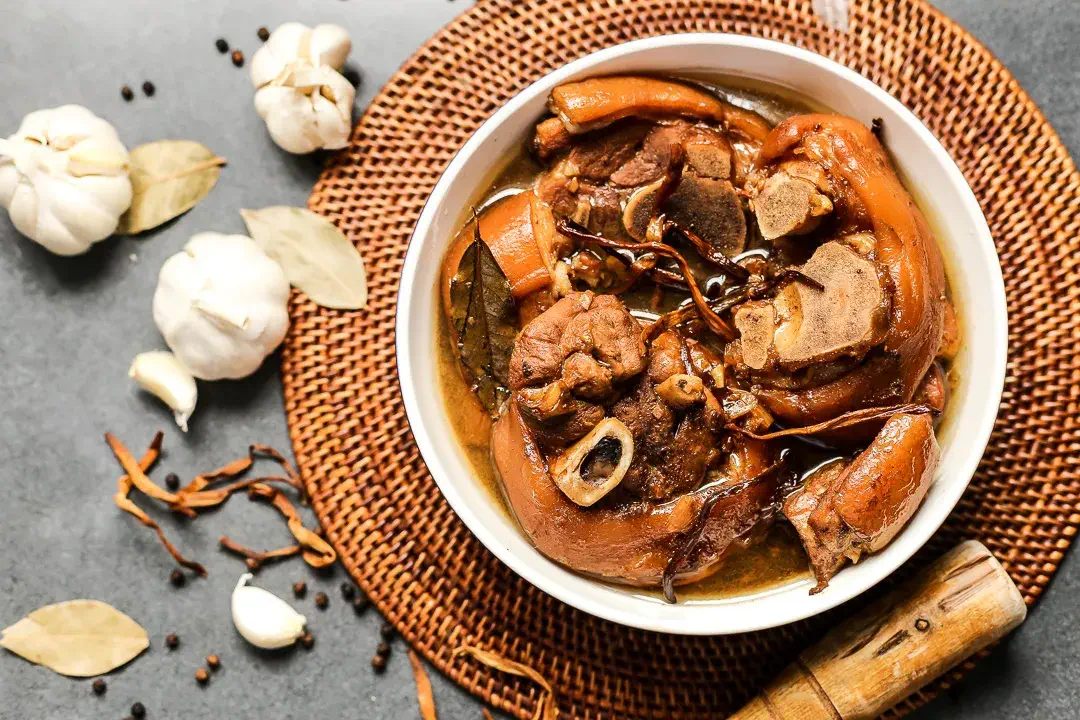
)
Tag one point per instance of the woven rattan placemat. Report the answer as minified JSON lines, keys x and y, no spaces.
{"x":403,"y":543}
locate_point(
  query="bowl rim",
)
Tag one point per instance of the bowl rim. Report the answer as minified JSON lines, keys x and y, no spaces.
{"x":747,"y":621}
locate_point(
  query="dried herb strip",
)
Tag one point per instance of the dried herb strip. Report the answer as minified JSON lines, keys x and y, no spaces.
{"x":424,"y":694}
{"x":125,"y":483}
{"x":315,"y":551}
{"x":853,"y":417}
{"x":258,"y":559}
{"x":546,"y":708}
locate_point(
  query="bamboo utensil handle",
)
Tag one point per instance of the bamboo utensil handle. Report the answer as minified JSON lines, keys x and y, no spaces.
{"x":864,"y":666}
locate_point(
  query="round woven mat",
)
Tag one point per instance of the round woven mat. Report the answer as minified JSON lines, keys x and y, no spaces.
{"x":383,"y":512}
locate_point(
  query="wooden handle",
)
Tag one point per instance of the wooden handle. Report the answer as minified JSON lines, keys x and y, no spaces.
{"x":867,"y":664}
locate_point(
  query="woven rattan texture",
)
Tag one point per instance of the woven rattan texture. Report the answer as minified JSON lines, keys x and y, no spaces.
{"x":383,"y":512}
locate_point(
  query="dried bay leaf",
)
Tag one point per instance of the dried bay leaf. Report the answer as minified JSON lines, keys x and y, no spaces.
{"x":78,"y":638}
{"x":316,"y":257}
{"x":168,"y":178}
{"x":484,"y":320}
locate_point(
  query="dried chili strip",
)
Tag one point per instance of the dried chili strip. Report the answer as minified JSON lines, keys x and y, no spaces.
{"x":708,"y":253}
{"x":424,"y":695}
{"x":848,"y":419}
{"x":139,"y":478}
{"x":258,"y":558}
{"x":714,"y":322}
{"x":125,"y":483}
{"x":546,"y":708}
{"x":316,"y":551}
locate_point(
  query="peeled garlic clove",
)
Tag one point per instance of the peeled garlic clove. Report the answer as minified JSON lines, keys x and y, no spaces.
{"x":160,"y":373}
{"x":264,"y":619}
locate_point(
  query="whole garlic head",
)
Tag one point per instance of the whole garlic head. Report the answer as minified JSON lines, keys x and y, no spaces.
{"x":221,"y":305}
{"x":64,"y":178}
{"x":300,"y":93}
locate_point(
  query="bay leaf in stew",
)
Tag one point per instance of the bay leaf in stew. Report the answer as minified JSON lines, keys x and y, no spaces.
{"x":484,"y":321}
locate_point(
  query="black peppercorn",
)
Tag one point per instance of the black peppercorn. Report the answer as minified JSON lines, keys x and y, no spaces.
{"x":383,"y":649}
{"x":172,"y":480}
{"x":378,"y":663}
{"x":299,"y":589}
{"x":307,"y":640}
{"x":222,"y":46}
{"x":386,"y":630}
{"x":138,"y":711}
{"x":99,"y":687}
{"x":213,"y":662}
{"x":321,"y":600}
{"x":360,"y":603}
{"x":127,"y":93}
{"x":201,"y":676}
{"x":264,"y":34}
{"x":177,"y":578}
{"x":348,"y":591}
{"x":237,"y":58}
{"x":171,"y":641}
{"x":148,"y":88}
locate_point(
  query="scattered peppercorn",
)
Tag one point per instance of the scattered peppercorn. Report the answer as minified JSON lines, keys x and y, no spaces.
{"x":348,"y":591}
{"x":171,"y":641}
{"x":386,"y":630}
{"x":222,"y":46}
{"x":148,"y":88}
{"x":172,"y":480}
{"x":360,"y":603}
{"x":378,"y":663}
{"x":321,"y":600}
{"x":127,"y":93}
{"x":99,"y":687}
{"x":264,"y":34}
{"x":213,"y":662}
{"x":237,"y":58}
{"x":177,"y":578}
{"x":307,"y":640}
{"x":201,"y":676}
{"x":383,"y":649}
{"x":138,"y":711}
{"x":299,"y":589}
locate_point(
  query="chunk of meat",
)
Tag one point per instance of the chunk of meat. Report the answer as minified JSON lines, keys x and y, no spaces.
{"x":661,"y":147}
{"x":791,"y":201}
{"x":630,"y":542}
{"x":804,"y":326}
{"x":868,"y":197}
{"x":597,"y":155}
{"x":608,"y":332}
{"x":597,"y":102}
{"x":551,"y":137}
{"x":844,"y":515}
{"x":712,"y":209}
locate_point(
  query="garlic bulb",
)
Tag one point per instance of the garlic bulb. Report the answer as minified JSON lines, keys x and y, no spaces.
{"x":64,"y":178}
{"x":300,"y":93}
{"x":264,"y":619}
{"x":161,"y":374}
{"x":221,"y":305}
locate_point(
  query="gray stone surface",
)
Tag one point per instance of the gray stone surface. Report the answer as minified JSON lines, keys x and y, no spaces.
{"x":69,"y":328}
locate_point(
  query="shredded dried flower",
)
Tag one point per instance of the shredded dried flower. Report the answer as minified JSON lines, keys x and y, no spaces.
{"x":125,"y":483}
{"x":424,"y":695}
{"x":258,"y":558}
{"x":315,"y":551}
{"x":842,"y":421}
{"x":546,"y":708}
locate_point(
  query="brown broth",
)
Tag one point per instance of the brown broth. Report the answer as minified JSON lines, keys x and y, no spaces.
{"x":775,"y":561}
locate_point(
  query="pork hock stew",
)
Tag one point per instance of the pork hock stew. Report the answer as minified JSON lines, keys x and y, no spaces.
{"x":685,"y":327}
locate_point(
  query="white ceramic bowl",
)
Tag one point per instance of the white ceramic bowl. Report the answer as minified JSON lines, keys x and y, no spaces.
{"x":939,"y":188}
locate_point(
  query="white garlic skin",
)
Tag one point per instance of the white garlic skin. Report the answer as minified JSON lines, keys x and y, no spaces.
{"x":262,"y":618}
{"x":300,"y":92}
{"x":159,"y":372}
{"x":221,"y":305}
{"x":64,"y":179}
